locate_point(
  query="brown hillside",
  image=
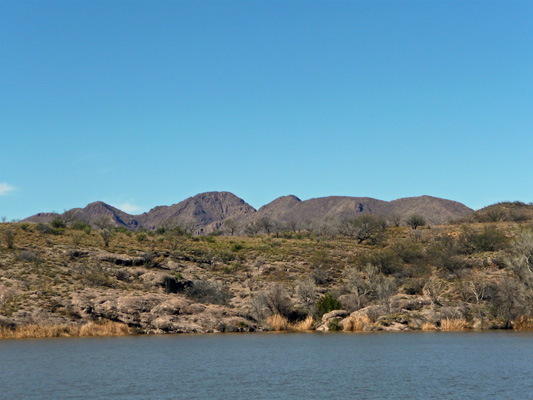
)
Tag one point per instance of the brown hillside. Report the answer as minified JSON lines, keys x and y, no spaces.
{"x":203,"y":212}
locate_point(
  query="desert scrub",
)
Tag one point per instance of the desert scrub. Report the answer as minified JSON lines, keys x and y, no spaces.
{"x":204,"y":291}
{"x":326,"y":304}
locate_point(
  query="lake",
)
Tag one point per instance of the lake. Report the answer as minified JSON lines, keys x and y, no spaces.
{"x":414,"y":365}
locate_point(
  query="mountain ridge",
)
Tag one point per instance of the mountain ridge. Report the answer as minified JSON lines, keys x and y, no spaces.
{"x":209,"y":211}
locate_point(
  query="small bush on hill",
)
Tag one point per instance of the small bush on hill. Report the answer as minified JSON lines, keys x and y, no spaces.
{"x":204,"y":291}
{"x":326,"y":304}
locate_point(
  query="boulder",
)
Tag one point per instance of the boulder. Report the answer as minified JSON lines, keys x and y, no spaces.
{"x":335,"y":314}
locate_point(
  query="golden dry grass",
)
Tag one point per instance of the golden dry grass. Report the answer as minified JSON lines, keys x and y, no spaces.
{"x":356,"y":324}
{"x":306,"y":325}
{"x":453,"y":324}
{"x":428,"y":326}
{"x":36,"y":331}
{"x":523,"y":323}
{"x":277,"y":322}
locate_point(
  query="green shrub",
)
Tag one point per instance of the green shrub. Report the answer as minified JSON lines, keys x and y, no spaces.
{"x":236,"y":247}
{"x":334,"y":325}
{"x":410,"y":252}
{"x":46,"y":229}
{"x":489,"y":239}
{"x":387,"y":261}
{"x":81,"y":226}
{"x":58,"y":223}
{"x":141,"y":237}
{"x":327,"y":303}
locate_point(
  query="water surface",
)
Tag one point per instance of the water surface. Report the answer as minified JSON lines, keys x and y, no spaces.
{"x":415,"y":365}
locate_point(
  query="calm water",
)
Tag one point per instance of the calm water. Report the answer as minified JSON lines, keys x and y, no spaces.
{"x":496,"y":365}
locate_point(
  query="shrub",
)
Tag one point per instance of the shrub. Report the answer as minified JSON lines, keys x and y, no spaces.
{"x":81,"y":226}
{"x":29,"y":256}
{"x":334,"y":325}
{"x":58,"y":223}
{"x":489,"y":239}
{"x":204,"y":291}
{"x":408,"y":251}
{"x":273,"y":301}
{"x":327,"y":303}
{"x":141,"y":237}
{"x":106,"y":234}
{"x":386,"y":260}
{"x":9,"y":237}
{"x":45,"y":229}
{"x":236,"y":247}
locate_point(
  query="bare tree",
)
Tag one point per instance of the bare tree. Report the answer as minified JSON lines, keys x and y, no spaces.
{"x":357,"y":284}
{"x":307,"y":293}
{"x":273,"y":301}
{"x":364,"y":227}
{"x":292,"y":225}
{"x":385,"y":289}
{"x":105,"y":228}
{"x":103,"y":222}
{"x":510,"y":299}
{"x":521,"y":259}
{"x":265,"y":224}
{"x":230,"y":226}
{"x":478,"y":286}
{"x":395,"y":219}
{"x":433,"y":289}
{"x":252,"y":228}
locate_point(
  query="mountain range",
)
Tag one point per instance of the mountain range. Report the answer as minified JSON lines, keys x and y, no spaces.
{"x":207,"y":212}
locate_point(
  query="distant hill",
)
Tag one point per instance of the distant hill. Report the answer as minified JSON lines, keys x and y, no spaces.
{"x":515,"y":211}
{"x":207,"y":212}
{"x":436,"y":211}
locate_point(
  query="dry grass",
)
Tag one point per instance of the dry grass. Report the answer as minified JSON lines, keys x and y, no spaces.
{"x":278,"y":322}
{"x":36,"y":331}
{"x":306,"y":325}
{"x":453,"y":324}
{"x":523,"y":323}
{"x":428,"y":326}
{"x":108,"y":328}
{"x":356,"y":324}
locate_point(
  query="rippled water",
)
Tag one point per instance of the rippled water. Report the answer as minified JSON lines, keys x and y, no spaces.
{"x":419,"y":365}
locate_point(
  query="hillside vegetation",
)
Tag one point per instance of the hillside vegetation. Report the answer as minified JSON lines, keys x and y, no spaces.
{"x":361,"y":273}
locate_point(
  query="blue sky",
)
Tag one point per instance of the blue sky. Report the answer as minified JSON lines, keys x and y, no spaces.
{"x":140,"y":104}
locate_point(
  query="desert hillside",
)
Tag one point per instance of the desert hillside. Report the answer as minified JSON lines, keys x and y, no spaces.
{"x":366,"y":275}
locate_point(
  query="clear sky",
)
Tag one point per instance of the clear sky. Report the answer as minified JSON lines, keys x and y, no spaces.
{"x":140,"y":104}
